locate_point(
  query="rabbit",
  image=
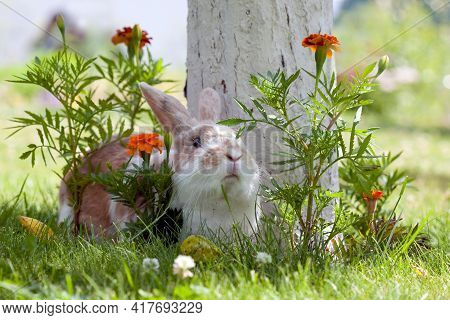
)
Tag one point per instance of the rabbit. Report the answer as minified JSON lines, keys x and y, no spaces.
{"x":215,"y":178}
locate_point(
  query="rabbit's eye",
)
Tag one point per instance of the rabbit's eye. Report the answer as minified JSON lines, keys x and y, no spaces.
{"x":196,"y":142}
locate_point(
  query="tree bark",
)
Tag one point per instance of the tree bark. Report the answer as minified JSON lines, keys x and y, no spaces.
{"x":230,"y":39}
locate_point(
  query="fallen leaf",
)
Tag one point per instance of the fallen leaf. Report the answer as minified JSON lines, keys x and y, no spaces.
{"x":36,"y":227}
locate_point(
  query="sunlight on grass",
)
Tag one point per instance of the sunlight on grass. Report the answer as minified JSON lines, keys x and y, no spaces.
{"x":110,"y":270}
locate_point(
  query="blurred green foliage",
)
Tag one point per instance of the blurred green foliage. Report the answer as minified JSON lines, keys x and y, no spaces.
{"x":412,"y":93}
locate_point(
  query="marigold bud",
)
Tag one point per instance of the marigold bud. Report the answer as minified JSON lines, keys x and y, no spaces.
{"x":61,"y":25}
{"x":383,"y":63}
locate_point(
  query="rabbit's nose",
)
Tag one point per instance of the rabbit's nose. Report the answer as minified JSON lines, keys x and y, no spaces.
{"x":233,"y":156}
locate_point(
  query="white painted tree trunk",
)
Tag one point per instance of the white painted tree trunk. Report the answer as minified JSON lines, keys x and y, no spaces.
{"x":230,"y":39}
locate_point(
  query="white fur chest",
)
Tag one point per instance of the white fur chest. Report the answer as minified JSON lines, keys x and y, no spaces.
{"x":216,"y":218}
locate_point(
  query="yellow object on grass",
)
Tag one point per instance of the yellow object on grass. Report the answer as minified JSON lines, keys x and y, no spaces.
{"x":36,"y":227}
{"x":200,"y":248}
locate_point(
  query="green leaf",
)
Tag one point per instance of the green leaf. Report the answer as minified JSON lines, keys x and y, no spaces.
{"x":356,"y":120}
{"x":363,"y":146}
{"x":332,"y":80}
{"x":225,"y":196}
{"x":25,"y":155}
{"x":367,"y":70}
{"x":240,"y":132}
{"x":244,"y":108}
{"x":330,"y":194}
{"x":99,"y":70}
{"x":109,"y":127}
{"x":232,"y":122}
{"x":293,"y":77}
{"x":127,"y":133}
{"x":128,"y":274}
{"x":48,"y":117}
{"x":41,"y":137}
{"x":251,"y":126}
{"x":33,"y":158}
{"x":260,"y":108}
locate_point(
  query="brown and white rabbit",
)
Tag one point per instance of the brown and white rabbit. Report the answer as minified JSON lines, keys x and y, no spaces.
{"x":207,"y":160}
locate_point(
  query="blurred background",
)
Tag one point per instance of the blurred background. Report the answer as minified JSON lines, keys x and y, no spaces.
{"x":412,"y":104}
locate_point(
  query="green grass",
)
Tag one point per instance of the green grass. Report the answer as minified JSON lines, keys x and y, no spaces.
{"x":73,"y":267}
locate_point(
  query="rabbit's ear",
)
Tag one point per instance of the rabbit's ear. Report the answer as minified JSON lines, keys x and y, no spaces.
{"x":172,"y":115}
{"x":209,"y":105}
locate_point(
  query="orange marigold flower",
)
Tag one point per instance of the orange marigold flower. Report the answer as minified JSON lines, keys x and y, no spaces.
{"x":144,"y":142}
{"x":126,"y":34}
{"x":374,"y":195}
{"x":315,"y":40}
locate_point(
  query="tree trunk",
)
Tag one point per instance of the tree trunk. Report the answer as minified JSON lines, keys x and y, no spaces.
{"x":230,"y":39}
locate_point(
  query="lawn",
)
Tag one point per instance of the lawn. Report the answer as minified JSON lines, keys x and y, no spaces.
{"x":74,"y":267}
{"x":71,"y":267}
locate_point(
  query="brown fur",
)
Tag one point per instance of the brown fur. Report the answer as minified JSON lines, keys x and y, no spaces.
{"x":94,"y":209}
{"x":211,"y":158}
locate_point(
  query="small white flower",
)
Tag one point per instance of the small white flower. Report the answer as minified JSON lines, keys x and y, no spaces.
{"x":181,"y":266}
{"x":150,"y":264}
{"x":263,"y":257}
